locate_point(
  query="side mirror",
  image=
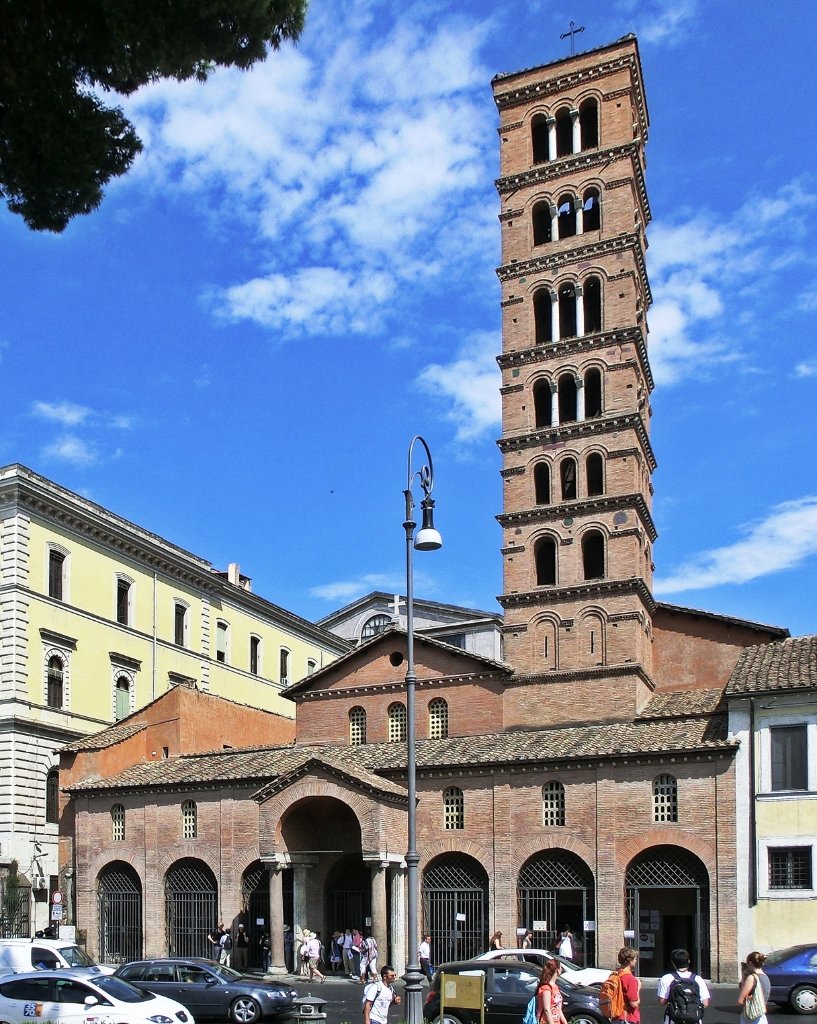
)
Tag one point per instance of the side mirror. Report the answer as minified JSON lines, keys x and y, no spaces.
{"x":90,"y":1001}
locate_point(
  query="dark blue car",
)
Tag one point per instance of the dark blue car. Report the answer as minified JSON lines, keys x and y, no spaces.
{"x":793,"y":976}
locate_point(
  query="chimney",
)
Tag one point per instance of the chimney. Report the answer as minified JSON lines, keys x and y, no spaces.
{"x":233,"y":575}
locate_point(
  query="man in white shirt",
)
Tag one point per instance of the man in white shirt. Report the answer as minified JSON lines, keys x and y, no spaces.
{"x":424,"y":955}
{"x":378,"y":997}
{"x":680,"y":973}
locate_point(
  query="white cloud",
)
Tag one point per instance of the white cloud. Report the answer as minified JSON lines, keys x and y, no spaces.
{"x":807,"y":300}
{"x":783,"y":540}
{"x":663,"y":22}
{"x":470,"y":384}
{"x":349,"y":590}
{"x":69,"y":414}
{"x":70,"y":448}
{"x":806,"y":369}
{"x":696,"y":266}
{"x":350,"y":170}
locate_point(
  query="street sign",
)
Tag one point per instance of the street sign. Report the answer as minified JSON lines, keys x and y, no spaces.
{"x":56,"y":912}
{"x":56,"y":897}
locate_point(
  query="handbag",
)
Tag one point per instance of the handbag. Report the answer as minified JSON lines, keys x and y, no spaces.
{"x":755,"y":1005}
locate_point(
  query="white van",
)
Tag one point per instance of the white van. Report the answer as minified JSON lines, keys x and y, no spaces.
{"x":18,"y":955}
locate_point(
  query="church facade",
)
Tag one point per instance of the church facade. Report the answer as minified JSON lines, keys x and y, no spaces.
{"x":586,"y":780}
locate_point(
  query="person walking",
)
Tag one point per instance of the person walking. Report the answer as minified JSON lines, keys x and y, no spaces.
{"x":564,"y":947}
{"x":225,"y":944}
{"x":368,"y":959}
{"x":214,"y":937}
{"x":424,"y":956}
{"x":378,"y":996}
{"x":265,"y":945}
{"x":629,"y":1008}
{"x":241,"y":951}
{"x":754,"y":990}
{"x":495,"y":941}
{"x":549,"y":996}
{"x":682,"y":992}
{"x":348,"y":960}
{"x":313,"y":952}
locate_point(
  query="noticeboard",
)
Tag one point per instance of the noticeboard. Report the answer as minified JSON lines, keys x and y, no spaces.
{"x":463,"y":992}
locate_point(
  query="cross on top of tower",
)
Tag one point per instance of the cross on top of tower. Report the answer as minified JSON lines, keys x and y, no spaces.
{"x":572,"y":32}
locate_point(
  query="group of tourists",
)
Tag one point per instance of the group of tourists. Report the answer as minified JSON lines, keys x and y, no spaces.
{"x":350,"y":952}
{"x":231,"y":950}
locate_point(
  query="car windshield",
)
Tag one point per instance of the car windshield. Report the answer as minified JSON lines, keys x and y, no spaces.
{"x":780,"y":955}
{"x":569,"y":964}
{"x":118,"y":988}
{"x":224,"y":973}
{"x":76,"y":957}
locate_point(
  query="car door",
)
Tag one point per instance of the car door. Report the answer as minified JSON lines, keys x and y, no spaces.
{"x":201,"y":991}
{"x":23,"y":1000}
{"x":70,"y":997}
{"x":508,"y":989}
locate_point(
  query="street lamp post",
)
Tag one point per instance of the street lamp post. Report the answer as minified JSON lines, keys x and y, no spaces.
{"x":428,"y":539}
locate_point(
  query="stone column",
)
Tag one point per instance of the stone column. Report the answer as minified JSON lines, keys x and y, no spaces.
{"x":554,"y":405}
{"x":276,"y":918}
{"x":551,"y":123}
{"x":577,"y":131}
{"x":554,"y":316}
{"x":299,"y":908}
{"x":554,"y":222}
{"x":578,"y":207}
{"x":399,"y":950}
{"x":380,"y":926}
{"x":579,"y":311}
{"x":579,"y":399}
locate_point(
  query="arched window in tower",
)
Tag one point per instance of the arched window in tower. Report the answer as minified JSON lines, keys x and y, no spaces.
{"x":567,"y":311}
{"x":376,"y":624}
{"x":545,"y":556}
{"x":397,"y":722}
{"x":542,"y":316}
{"x":567,"y":398}
{"x":564,"y":132}
{"x":567,"y":216}
{"x":542,"y":403}
{"x":453,"y":809}
{"x":595,"y":474}
{"x":567,"y":476}
{"x":664,"y":798}
{"x":438,"y":719}
{"x":55,"y":690}
{"x":553,"y":803}
{"x":52,"y":797}
{"x":539,"y":138}
{"x":592,"y":393}
{"x":541,"y":223}
{"x":593,"y":555}
{"x":591,"y":297}
{"x":591,"y":210}
{"x":357,"y":726}
{"x":589,"y":124}
{"x":541,"y":483}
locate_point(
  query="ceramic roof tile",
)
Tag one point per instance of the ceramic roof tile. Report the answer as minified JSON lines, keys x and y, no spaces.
{"x":786,"y":665}
{"x":682,"y":703}
{"x":106,"y":738}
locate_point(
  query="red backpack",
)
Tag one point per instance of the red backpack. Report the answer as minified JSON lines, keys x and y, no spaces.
{"x":611,"y":997}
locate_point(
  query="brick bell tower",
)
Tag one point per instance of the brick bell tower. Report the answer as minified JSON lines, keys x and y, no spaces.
{"x":576,"y":381}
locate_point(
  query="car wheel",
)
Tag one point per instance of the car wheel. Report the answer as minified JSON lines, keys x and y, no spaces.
{"x":245,"y":1010}
{"x":447,"y":1018}
{"x":583,"y":1017}
{"x":804,"y":999}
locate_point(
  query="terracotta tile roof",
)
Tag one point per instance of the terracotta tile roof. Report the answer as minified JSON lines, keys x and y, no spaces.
{"x":106,"y":738}
{"x":259,"y":766}
{"x":682,"y":704}
{"x":785,"y":665}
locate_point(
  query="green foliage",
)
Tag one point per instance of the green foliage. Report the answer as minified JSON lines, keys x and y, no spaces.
{"x":59,"y":142}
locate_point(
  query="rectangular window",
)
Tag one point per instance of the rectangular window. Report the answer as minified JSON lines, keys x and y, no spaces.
{"x":123,"y":602}
{"x":179,"y":621}
{"x":255,"y":646}
{"x":221,"y":642}
{"x":789,"y":764}
{"x":56,"y":564}
{"x":284,"y":666}
{"x":790,"y":867}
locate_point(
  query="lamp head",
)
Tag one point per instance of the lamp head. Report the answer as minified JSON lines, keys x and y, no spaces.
{"x":428,"y":539}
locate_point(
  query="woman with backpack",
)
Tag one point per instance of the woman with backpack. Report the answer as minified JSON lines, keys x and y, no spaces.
{"x":549,"y":996}
{"x":754,"y":990}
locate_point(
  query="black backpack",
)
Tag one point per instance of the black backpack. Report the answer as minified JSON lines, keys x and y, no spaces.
{"x":684,"y":1004}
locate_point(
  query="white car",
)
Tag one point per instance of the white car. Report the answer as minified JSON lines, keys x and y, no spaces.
{"x":570,"y":971}
{"x":70,"y":997}
{"x":20,"y":955}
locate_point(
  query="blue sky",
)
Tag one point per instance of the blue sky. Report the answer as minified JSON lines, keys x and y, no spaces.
{"x":298,"y":275}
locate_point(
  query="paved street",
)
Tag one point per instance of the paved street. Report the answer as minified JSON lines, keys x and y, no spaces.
{"x":343,"y":1003}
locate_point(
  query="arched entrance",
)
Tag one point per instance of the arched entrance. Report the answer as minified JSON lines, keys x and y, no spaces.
{"x":555,"y":888}
{"x":255,"y":908}
{"x":455,"y":905}
{"x":191,"y":906}
{"x":348,"y":894}
{"x":667,"y":907}
{"x":119,"y":898}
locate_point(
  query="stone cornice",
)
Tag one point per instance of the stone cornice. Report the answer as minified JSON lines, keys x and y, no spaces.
{"x":589,"y":506}
{"x":589,"y":160}
{"x":585,"y":428}
{"x":564,"y":258}
{"x":583,"y":674}
{"x":598,"y":589}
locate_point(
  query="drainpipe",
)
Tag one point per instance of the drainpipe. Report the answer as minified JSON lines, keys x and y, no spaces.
{"x":752,"y":811}
{"x":153,"y":666}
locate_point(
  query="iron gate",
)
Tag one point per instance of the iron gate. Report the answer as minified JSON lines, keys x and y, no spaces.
{"x":455,"y":897}
{"x":541,"y":880}
{"x":15,"y":910}
{"x":119,"y":897}
{"x":255,"y":896}
{"x":348,"y":895}
{"x":191,"y":905}
{"x":667,"y":867}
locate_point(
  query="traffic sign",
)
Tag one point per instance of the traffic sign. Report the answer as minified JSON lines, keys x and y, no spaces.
{"x":56,"y":912}
{"x":56,"y":897}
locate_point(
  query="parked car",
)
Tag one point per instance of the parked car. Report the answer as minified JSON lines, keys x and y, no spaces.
{"x":212,"y":991}
{"x":67,"y":996}
{"x":509,"y":985}
{"x":570,"y":971}
{"x":17,"y":955}
{"x":793,"y":976}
